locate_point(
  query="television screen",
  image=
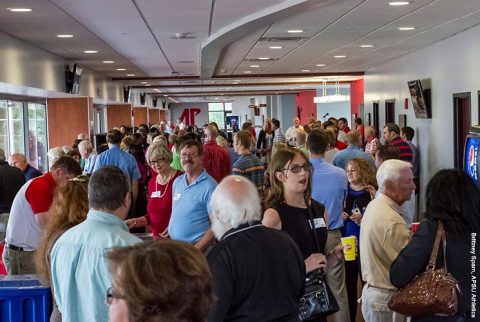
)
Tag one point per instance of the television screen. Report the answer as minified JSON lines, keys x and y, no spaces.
{"x":472,"y":162}
{"x":232,"y":123}
{"x":420,"y":106}
{"x":73,"y":74}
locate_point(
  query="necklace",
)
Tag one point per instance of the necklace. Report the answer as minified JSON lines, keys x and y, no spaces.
{"x":157,"y":193}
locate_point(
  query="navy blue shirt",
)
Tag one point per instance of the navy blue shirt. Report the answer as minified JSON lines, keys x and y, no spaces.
{"x":30,"y":172}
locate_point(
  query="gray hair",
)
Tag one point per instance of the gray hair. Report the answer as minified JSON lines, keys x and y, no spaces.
{"x":390,"y":170}
{"x":85,"y":145}
{"x":54,"y":154}
{"x":234,"y":202}
{"x":107,"y":188}
{"x":159,"y":150}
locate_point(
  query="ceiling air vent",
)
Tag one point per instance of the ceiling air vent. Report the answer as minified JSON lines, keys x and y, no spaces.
{"x":284,"y":39}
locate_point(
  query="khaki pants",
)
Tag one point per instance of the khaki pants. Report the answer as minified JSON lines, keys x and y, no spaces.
{"x":336,"y":277}
{"x":375,"y":306}
{"x":18,"y":262}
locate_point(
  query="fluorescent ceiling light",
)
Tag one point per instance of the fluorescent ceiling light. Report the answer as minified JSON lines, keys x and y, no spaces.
{"x":165,"y":95}
{"x":263,"y":58}
{"x":121,"y":69}
{"x":340,"y":56}
{"x":406,"y":28}
{"x":305,"y":70}
{"x":108,"y":61}
{"x":90,"y":51}
{"x":19,"y":9}
{"x":331,"y":98}
{"x":247,"y":72}
{"x":64,"y":36}
{"x":148,"y":85}
{"x":398,"y":3}
{"x":275,"y":47}
{"x":320,"y":65}
{"x":144,"y":82}
{"x":295,"y":31}
{"x":366,"y":46}
{"x":130,"y":75}
{"x":254,"y":66}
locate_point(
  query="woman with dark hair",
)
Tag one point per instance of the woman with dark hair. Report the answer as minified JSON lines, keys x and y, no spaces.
{"x":361,"y":190}
{"x":160,"y":281}
{"x":289,"y":205}
{"x":453,"y":199}
{"x":265,"y":141}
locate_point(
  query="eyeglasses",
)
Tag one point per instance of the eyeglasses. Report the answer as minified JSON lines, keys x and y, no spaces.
{"x":298,"y":168}
{"x":188,"y":156}
{"x":112,"y":295}
{"x":159,"y":161}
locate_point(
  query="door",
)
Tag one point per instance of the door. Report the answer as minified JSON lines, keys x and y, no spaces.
{"x":376,"y":119}
{"x":389,"y":111}
{"x":461,"y":125}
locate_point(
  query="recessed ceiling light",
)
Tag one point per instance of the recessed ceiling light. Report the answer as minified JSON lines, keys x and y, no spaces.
{"x":263,"y":58}
{"x":130,"y":75}
{"x":305,"y":70}
{"x":406,"y":28}
{"x":398,"y":3}
{"x":121,"y":69}
{"x":254,"y":66}
{"x":295,"y":31}
{"x":321,"y":65}
{"x":165,"y":95}
{"x":247,"y":72}
{"x":64,"y":36}
{"x":340,"y":56}
{"x":144,"y":82}
{"x":90,"y":51}
{"x":366,"y":46}
{"x":19,"y":9}
{"x":275,"y":47}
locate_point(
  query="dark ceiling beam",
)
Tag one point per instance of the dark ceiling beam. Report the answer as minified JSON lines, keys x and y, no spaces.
{"x":240,"y":84}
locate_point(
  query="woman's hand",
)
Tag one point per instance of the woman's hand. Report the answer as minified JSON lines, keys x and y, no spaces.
{"x":164,"y":234}
{"x":371,"y":189}
{"x":344,"y":215}
{"x":315,"y":261}
{"x":336,"y":253}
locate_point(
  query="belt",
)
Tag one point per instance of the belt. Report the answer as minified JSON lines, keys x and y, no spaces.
{"x":20,"y":249}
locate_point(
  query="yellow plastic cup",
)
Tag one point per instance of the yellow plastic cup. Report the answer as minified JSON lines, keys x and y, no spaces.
{"x":349,"y":251}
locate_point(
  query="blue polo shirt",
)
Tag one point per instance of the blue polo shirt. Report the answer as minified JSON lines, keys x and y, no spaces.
{"x":190,"y":207}
{"x":119,"y":158}
{"x":342,"y":158}
{"x":329,"y":187}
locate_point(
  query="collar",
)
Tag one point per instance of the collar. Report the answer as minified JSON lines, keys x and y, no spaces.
{"x":395,"y":139}
{"x":391,"y":203}
{"x":114,"y":146}
{"x":353,"y":147}
{"x":317,"y":160}
{"x":241,"y":228}
{"x":203,"y":175}
{"x":107,"y":218}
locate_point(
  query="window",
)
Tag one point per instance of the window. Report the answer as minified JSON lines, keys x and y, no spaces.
{"x":217,"y":113}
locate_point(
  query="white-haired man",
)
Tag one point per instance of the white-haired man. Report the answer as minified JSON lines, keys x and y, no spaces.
{"x":251,"y":264}
{"x":89,"y":155}
{"x":290,"y":135}
{"x":383,"y":234}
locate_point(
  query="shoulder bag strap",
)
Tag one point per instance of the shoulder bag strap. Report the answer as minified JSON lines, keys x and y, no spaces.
{"x":436,"y":246}
{"x":308,"y":202}
{"x":444,"y":244}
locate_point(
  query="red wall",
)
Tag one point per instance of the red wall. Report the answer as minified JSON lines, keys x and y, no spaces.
{"x":356,"y":95}
{"x":308,"y":108}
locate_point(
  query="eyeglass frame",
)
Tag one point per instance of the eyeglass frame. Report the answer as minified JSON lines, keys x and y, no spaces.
{"x":306,"y":167}
{"x":158,"y":161}
{"x":111,"y":294}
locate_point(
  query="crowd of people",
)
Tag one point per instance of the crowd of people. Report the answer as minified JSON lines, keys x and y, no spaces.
{"x":237,"y":222}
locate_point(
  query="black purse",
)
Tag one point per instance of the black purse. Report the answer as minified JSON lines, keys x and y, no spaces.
{"x":318,"y":299}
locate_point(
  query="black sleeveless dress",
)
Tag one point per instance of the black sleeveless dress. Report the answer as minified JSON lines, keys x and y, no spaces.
{"x":296,"y":223}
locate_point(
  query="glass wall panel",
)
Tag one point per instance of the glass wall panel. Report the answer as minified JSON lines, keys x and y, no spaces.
{"x":15,"y":127}
{"x":37,"y":136}
{"x":4,"y":127}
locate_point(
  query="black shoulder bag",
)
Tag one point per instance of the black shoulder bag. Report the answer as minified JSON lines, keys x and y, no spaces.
{"x":318,"y":299}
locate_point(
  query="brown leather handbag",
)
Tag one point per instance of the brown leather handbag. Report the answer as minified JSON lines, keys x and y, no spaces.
{"x":434,"y":292}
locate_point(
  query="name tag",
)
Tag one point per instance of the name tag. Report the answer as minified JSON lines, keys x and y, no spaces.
{"x":177,"y":197}
{"x":155,"y":194}
{"x":318,"y":222}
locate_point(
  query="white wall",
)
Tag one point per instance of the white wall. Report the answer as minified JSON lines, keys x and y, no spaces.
{"x":24,"y":64}
{"x":336,"y":110}
{"x":452,"y":66}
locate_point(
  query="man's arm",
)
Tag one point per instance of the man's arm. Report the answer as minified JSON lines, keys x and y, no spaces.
{"x":205,"y":241}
